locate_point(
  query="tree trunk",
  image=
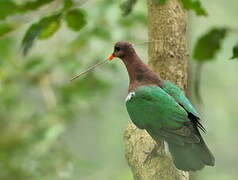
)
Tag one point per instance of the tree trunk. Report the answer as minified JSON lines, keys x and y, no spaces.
{"x":168,"y":58}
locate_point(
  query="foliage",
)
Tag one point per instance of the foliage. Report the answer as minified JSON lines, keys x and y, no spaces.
{"x":9,"y":7}
{"x":235,"y":51}
{"x":127,"y":6}
{"x":206,"y":47}
{"x":5,"y":29}
{"x":194,"y":5}
{"x":209,"y":44}
{"x":76,"y":19}
{"x":30,"y":36}
{"x":45,"y":28}
{"x":32,"y":5}
{"x":49,"y":26}
{"x":205,"y":50}
{"x":68,"y":4}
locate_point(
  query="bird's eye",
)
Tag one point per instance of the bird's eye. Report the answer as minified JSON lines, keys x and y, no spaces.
{"x":117,"y":48}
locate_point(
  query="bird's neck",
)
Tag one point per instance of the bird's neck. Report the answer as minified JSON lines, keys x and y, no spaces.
{"x":139,"y":73}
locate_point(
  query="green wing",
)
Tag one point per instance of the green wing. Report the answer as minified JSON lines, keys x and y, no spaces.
{"x":170,"y":117}
{"x":151,"y":108}
{"x":179,"y":96}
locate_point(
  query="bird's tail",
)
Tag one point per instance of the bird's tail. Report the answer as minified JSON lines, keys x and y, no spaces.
{"x":191,"y":157}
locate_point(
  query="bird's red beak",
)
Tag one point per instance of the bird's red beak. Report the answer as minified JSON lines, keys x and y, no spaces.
{"x":110,"y":57}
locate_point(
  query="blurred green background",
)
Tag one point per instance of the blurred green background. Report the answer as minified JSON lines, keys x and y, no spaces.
{"x":53,"y":129}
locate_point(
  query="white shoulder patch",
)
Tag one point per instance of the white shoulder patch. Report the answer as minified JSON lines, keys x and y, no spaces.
{"x":130,"y":95}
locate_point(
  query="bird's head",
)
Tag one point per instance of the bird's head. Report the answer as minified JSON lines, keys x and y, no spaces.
{"x":122,"y":49}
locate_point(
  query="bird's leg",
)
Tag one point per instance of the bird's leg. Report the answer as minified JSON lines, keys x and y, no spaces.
{"x":151,"y":154}
{"x":158,"y":150}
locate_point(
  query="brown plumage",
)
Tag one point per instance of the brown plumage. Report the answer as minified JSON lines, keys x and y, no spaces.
{"x":139,"y":73}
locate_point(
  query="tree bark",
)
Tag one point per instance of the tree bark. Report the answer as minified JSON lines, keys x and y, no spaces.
{"x":168,"y":58}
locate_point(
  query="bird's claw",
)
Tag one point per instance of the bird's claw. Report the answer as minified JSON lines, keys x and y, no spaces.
{"x":151,"y":154}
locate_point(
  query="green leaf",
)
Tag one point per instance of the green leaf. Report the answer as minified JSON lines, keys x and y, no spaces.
{"x":76,"y":19}
{"x":127,"y":6}
{"x":29,"y":37}
{"x":67,"y":4}
{"x":235,"y":51}
{"x":5,"y":28}
{"x":32,"y":5}
{"x":45,"y":28}
{"x":208,"y":45}
{"x":7,"y":7}
{"x":194,"y":5}
{"x":49,"y":26}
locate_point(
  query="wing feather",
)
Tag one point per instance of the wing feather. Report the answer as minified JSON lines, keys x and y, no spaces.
{"x":180,"y":98}
{"x":151,"y":108}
